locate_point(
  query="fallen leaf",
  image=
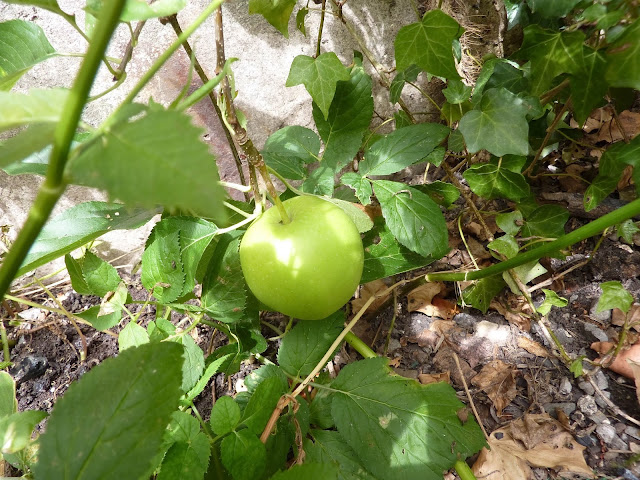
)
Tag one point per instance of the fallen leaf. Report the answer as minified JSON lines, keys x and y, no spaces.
{"x":610,"y":131}
{"x":373,"y":211}
{"x":369,"y":290}
{"x":532,"y":347}
{"x":513,"y":317}
{"x":618,"y":317}
{"x":427,"y":378}
{"x":533,"y":440}
{"x":635,"y":369}
{"x":394,"y":362}
{"x":420,"y":299}
{"x":443,"y":361}
{"x":620,"y":364}
{"x":498,"y":380}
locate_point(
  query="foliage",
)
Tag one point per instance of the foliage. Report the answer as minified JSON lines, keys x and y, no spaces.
{"x":367,"y":422}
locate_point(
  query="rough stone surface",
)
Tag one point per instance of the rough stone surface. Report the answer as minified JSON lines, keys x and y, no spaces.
{"x":565,"y":386}
{"x":587,"y":405}
{"x":587,"y":388}
{"x":606,"y":432}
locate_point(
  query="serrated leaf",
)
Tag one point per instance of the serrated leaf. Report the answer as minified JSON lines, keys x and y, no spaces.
{"x":320,"y":181}
{"x":225,"y":416}
{"x":552,"y":8}
{"x":510,"y":223}
{"x":289,"y":149}
{"x":505,"y":245}
{"x":276,"y":12}
{"x":74,"y":268}
{"x":22,"y":45}
{"x":188,"y":457}
{"x":162,"y":270}
{"x":79,"y":225}
{"x":330,"y":447}
{"x":309,"y":471}
{"x":546,"y":221}
{"x":319,"y":76}
{"x":37,"y":106}
{"x":623,"y":58}
{"x":126,"y":423}
{"x":589,"y":86}
{"x":442,"y":193}
{"x":306,"y":343}
{"x":360,"y":185}
{"x":101,"y":321}
{"x":193,"y":364}
{"x":157,"y":159}
{"x":101,"y":277}
{"x":480,"y":294}
{"x":212,"y":368}
{"x":259,"y":375}
{"x":401,"y":148}
{"x":8,"y":402}
{"x":399,"y":427}
{"x":429,"y":44}
{"x":132,"y":335}
{"x":614,"y":295}
{"x":224,"y":292}
{"x":349,"y":117}
{"x":414,"y":219}
{"x":499,"y":178}
{"x":243,"y":455}
{"x":498,"y":124}
{"x":551,"y":299}
{"x":551,"y":53}
{"x":384,"y":256}
{"x":262,"y":403}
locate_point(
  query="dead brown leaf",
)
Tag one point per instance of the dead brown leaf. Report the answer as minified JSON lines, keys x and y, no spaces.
{"x":532,"y":347}
{"x":369,"y":290}
{"x":533,"y":440}
{"x":498,"y":380}
{"x":620,"y":364}
{"x":427,"y":378}
{"x":419,"y":299}
{"x":635,"y":369}
{"x":513,"y":317}
{"x":618,"y":317}
{"x":610,"y":131}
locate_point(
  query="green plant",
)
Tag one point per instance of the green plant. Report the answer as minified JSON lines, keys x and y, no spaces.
{"x":373,"y":424}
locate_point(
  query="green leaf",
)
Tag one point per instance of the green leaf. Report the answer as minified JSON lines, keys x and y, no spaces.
{"x":17,"y":428}
{"x":276,"y":12}
{"x":552,"y":8}
{"x":212,"y":368}
{"x":141,"y":10}
{"x":410,"y":74}
{"x":157,"y":159}
{"x":300,"y":19}
{"x":498,"y":124}
{"x":349,"y":117}
{"x":384,"y":256}
{"x":309,"y":471}
{"x":623,"y":57}
{"x":193,"y":364}
{"x":397,"y":425}
{"x":442,"y":193}
{"x":320,"y":181}
{"x":79,"y":225}
{"x":224,"y":292}
{"x":38,"y":106}
{"x":551,"y":299}
{"x":258,"y":376}
{"x":289,"y":149}
{"x":499,"y":178}
{"x":456,"y":92}
{"x":626,"y":230}
{"x":414,"y":219}
{"x":401,"y":148}
{"x":74,"y":268}
{"x":22,"y":45}
{"x":614,"y":295}
{"x":306,"y":343}
{"x":225,"y":416}
{"x":546,"y":221}
{"x":262,"y":403}
{"x":505,"y":245}
{"x":101,"y":276}
{"x":8,"y":402}
{"x":243,"y":455}
{"x":132,"y":335}
{"x":576,"y":366}
{"x":510,"y":222}
{"x":188,"y":457}
{"x":480,"y":294}
{"x":51,"y":5}
{"x":28,"y":151}
{"x":360,"y":219}
{"x":319,"y":76}
{"x":329,"y":447}
{"x":162,"y":270}
{"x":129,"y":400}
{"x":525,"y":274}
{"x":589,"y":86}
{"x":98,"y":321}
{"x":551,"y":53}
{"x":429,"y":44}
{"x":360,"y":185}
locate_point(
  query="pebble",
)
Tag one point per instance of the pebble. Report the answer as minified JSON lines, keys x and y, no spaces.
{"x":599,"y":418}
{"x":626,"y":474}
{"x":394,"y":345}
{"x":618,"y":444}
{"x":601,"y":380}
{"x":596,"y":332}
{"x":601,"y":401}
{"x":606,"y":432}
{"x":632,"y":432}
{"x":565,"y":386}
{"x":587,"y":405}
{"x":602,"y":317}
{"x":566,"y":407}
{"x":586,"y":387}
{"x":587,"y":441}
{"x":28,"y":368}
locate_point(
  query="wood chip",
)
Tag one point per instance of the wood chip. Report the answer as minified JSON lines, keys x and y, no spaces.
{"x":532,"y":347}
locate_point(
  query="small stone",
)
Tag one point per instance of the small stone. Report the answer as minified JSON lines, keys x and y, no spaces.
{"x":567,"y":407}
{"x":602,"y":403}
{"x":587,"y":388}
{"x":602,"y":317}
{"x":587,"y":405}
{"x":587,"y":441}
{"x":579,"y":418}
{"x":601,"y":380}
{"x":618,"y":444}
{"x":606,"y":432}
{"x":394,"y":345}
{"x":596,"y":332}
{"x":598,"y":418}
{"x":620,"y":427}
{"x":565,"y":386}
{"x":632,"y":432}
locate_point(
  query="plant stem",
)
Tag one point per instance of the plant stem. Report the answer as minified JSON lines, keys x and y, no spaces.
{"x":53,"y":185}
{"x":590,"y":229}
{"x":322,"y":14}
{"x":5,"y":342}
{"x":359,"y":346}
{"x":463,"y":470}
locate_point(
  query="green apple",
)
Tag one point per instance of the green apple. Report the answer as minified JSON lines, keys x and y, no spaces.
{"x":307,"y":268}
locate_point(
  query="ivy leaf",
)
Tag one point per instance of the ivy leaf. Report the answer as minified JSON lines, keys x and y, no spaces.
{"x":505,"y":245}
{"x":225,"y":416}
{"x":361,"y":186}
{"x":414,"y":219}
{"x":126,"y":424}
{"x":289,"y":149}
{"x":614,"y":295}
{"x":306,"y":343}
{"x":525,"y":273}
{"x":276,"y":12}
{"x":22,"y":45}
{"x":626,"y":230}
{"x":37,"y":106}
{"x":157,"y":159}
{"x":410,"y":74}
{"x":550,"y":53}
{"x":504,"y":74}
{"x":395,"y":424}
{"x":552,"y":8}
{"x":589,"y":86}
{"x":162,"y":269}
{"x":499,"y":178}
{"x":300,"y":18}
{"x":546,"y":221}
{"x":349,"y":117}
{"x":510,"y":222}
{"x":401,"y":148}
{"x":551,"y":299}
{"x":624,"y":59}
{"x":480,"y":294}
{"x":329,"y":447}
{"x":456,"y":92}
{"x":319,"y":76}
{"x":497,"y":124}
{"x":429,"y":44}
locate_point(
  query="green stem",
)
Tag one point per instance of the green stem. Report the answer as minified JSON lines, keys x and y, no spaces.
{"x":359,"y":346}
{"x":630,"y":210}
{"x":204,"y":90}
{"x":322,"y":14}
{"x":54,"y":186}
{"x":463,"y":470}
{"x":5,"y":343}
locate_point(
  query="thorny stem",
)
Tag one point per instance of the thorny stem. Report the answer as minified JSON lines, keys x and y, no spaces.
{"x":322,"y":14}
{"x":54,"y":185}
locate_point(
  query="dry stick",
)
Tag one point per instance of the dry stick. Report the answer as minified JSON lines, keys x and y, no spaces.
{"x":173,"y":21}
{"x":550,"y":131}
{"x":625,"y":137}
{"x":466,"y":390}
{"x":128,"y":51}
{"x":614,"y":408}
